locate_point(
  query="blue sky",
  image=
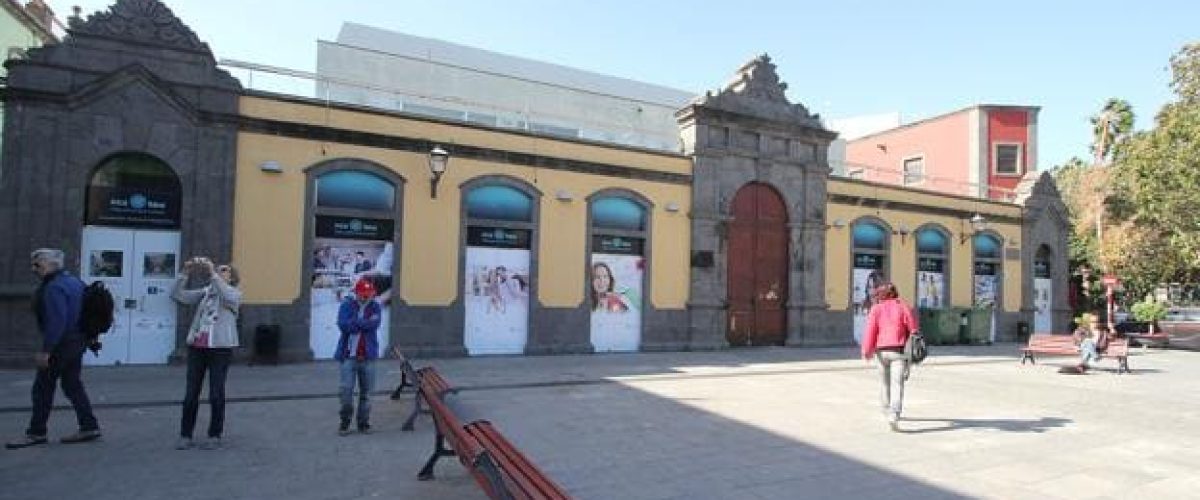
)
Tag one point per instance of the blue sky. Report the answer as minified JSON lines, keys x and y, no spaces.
{"x":840,"y":59}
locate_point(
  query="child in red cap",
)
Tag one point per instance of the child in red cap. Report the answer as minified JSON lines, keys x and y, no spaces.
{"x":358,"y":320}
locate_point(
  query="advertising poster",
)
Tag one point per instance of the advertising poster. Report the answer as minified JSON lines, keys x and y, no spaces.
{"x":867,"y":276}
{"x":931,"y":283}
{"x":346,"y":250}
{"x":497,"y":289}
{"x":615,"y":299}
{"x":985,"y":291}
{"x":1042,"y":317}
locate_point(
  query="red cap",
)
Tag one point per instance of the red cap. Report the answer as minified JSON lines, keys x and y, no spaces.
{"x":364,"y":288}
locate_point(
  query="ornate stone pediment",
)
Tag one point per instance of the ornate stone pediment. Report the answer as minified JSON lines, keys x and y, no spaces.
{"x":1036,"y":184}
{"x":143,"y":21}
{"x":756,"y":90}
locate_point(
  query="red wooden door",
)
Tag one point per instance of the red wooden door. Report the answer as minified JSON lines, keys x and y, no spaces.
{"x":758,"y":260}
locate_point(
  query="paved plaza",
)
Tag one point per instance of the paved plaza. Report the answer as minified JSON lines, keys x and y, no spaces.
{"x":753,"y":423}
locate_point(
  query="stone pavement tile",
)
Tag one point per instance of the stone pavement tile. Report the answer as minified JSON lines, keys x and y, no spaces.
{"x":1078,"y":485}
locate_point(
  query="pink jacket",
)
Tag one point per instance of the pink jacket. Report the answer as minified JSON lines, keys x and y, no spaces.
{"x":888,"y":325}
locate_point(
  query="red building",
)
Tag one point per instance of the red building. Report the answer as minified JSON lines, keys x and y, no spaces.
{"x":979,"y":151}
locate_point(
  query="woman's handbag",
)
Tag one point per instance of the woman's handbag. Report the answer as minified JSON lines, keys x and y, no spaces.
{"x":915,"y":348}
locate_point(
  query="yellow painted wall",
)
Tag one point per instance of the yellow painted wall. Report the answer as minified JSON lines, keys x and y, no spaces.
{"x":269,"y":209}
{"x":902,"y":254}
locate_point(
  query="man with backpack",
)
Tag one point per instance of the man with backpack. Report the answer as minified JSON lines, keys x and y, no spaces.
{"x":58,"y":305}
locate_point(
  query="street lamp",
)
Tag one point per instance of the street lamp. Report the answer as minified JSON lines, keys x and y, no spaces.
{"x":978,"y":224}
{"x":438,"y":160}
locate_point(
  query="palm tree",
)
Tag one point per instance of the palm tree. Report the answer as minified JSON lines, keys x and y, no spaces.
{"x":1111,"y":125}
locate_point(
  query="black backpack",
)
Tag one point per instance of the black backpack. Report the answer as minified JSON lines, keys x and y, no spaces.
{"x":97,"y":316}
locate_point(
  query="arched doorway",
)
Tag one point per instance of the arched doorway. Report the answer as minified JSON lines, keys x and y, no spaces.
{"x":619,"y":233}
{"x":500,"y":220}
{"x":131,"y":243}
{"x":987,"y":267}
{"x":1043,"y":290}
{"x":933,"y":251}
{"x":758,"y":267}
{"x":353,"y":239}
{"x":869,"y":248}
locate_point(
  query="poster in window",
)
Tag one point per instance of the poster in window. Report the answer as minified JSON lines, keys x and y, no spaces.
{"x":496,"y":302}
{"x":343,"y":255}
{"x":868,"y":275}
{"x":931,"y":288}
{"x":985,"y":290}
{"x":615,"y":299}
{"x":1042,"y":316}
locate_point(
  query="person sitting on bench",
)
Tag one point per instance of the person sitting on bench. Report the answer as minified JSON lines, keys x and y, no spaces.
{"x":1092,"y":341}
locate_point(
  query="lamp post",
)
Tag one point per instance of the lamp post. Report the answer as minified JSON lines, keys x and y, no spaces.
{"x":978,"y":224}
{"x":438,"y":160}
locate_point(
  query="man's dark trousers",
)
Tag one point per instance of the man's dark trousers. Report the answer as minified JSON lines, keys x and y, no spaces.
{"x":66,"y":363}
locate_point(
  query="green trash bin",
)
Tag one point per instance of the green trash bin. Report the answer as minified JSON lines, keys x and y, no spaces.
{"x":979,"y":326}
{"x":929,"y":324}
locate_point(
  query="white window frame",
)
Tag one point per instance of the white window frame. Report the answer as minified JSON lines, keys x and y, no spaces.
{"x":904,"y":175}
{"x":996,"y":159}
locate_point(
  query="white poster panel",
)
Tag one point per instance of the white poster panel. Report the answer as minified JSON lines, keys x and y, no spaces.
{"x":1042,"y":316}
{"x":985,"y":290}
{"x":337,"y":264}
{"x":615,"y":297}
{"x":497,"y":300}
{"x":930,"y":289}
{"x":865,"y":281}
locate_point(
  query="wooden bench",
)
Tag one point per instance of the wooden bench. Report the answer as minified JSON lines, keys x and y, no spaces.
{"x":436,"y":386}
{"x":408,"y":375}
{"x":521,"y":478}
{"x":1064,"y":345}
{"x":502,"y":471}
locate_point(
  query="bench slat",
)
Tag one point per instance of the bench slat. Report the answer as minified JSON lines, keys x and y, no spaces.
{"x":530,"y":481}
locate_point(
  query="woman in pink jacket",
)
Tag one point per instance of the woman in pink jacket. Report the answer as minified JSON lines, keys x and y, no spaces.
{"x":888,"y":325}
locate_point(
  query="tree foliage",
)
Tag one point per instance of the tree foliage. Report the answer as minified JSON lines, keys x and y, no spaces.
{"x":1154,"y":198}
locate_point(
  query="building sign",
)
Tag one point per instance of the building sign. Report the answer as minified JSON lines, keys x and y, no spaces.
{"x":619,"y":245}
{"x":132,"y":207}
{"x":985,"y":269}
{"x":497,"y":237}
{"x":355,"y":228}
{"x":868,"y":261}
{"x":932,"y":265}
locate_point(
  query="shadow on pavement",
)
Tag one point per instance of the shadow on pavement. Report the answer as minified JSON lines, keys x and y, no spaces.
{"x":1007,"y":425}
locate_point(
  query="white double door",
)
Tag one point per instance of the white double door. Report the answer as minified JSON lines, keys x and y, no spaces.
{"x":138,"y":267}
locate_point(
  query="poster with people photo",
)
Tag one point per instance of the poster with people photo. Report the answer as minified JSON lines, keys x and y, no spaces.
{"x":497,"y":300}
{"x":615,"y":299}
{"x":865,"y":281}
{"x":345,"y":251}
{"x":1042,"y":315}
{"x":985,"y":290}
{"x":930,"y":287}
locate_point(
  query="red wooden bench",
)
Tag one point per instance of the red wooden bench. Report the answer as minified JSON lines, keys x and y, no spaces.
{"x":520,"y":476}
{"x":500,"y":469}
{"x":437,"y":386}
{"x":1049,"y":344}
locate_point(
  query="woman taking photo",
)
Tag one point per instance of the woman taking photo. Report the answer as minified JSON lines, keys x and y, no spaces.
{"x":211,"y":338}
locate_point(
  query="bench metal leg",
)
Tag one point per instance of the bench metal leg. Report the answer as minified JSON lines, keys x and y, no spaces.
{"x":1028,"y":356}
{"x":417,"y":410}
{"x":1123,"y":365}
{"x":404,"y":380}
{"x":439,"y":451}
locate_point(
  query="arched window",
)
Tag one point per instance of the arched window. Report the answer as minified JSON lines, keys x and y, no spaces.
{"x":933,"y":250}
{"x":498,"y":266}
{"x":870,"y":242}
{"x":134,"y":190}
{"x":355,"y":190}
{"x":354,"y":239}
{"x":617,"y":269}
{"x":499,"y":203}
{"x":987,"y":253}
{"x":1041,"y":262}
